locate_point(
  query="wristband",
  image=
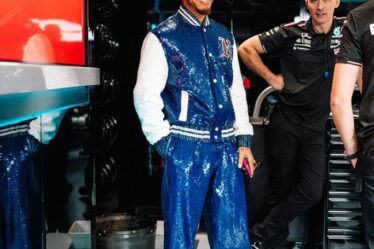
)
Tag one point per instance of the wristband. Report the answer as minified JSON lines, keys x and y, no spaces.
{"x":351,"y":156}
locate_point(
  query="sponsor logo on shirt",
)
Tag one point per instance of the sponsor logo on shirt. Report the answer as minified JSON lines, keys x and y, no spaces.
{"x":303,"y":43}
{"x":337,"y":32}
{"x":272,"y":31}
{"x":306,"y":36}
{"x":335,"y":39}
{"x":225,"y":48}
{"x":335,"y":43}
{"x":371,"y":28}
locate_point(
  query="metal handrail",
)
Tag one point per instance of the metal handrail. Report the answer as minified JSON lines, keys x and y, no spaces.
{"x":260,"y":99}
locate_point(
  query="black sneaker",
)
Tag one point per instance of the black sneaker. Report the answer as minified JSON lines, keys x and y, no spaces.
{"x":259,"y":245}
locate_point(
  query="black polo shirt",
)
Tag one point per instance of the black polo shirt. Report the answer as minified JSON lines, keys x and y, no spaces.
{"x":307,"y":62}
{"x":358,"y":49}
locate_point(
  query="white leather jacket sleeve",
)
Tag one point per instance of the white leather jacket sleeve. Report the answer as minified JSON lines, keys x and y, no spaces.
{"x":239,"y":100}
{"x":151,"y":80}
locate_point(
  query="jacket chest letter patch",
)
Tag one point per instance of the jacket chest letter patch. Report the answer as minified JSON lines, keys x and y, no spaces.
{"x":372,"y":29}
{"x":225,"y":48}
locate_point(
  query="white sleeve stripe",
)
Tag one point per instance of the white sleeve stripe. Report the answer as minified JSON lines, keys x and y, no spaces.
{"x":184,"y":106}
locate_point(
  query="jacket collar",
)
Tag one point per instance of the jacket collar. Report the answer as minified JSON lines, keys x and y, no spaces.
{"x":191,"y":18}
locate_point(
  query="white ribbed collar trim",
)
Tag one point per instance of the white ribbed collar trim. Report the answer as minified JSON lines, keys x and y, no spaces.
{"x":191,"y":18}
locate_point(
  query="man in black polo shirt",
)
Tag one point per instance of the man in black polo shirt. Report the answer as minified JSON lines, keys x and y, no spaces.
{"x":307,"y":52}
{"x":357,"y":51}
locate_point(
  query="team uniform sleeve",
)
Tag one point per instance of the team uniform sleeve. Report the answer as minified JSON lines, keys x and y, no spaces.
{"x":274,"y":39}
{"x":350,"y":48}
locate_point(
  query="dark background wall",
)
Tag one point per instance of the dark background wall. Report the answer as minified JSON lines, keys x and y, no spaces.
{"x":132,"y":178}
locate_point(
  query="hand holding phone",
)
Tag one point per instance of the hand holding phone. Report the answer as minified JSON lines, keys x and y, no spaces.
{"x":247,"y":168}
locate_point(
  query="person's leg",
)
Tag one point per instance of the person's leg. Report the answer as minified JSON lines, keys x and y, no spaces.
{"x":187,"y":173}
{"x":225,"y":211}
{"x":282,"y":145}
{"x":18,"y":162}
{"x":307,"y":189}
{"x":282,"y":151}
{"x":367,"y":205}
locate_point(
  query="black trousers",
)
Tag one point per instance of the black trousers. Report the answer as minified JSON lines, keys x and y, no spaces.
{"x":297,"y":168}
{"x":364,"y":169}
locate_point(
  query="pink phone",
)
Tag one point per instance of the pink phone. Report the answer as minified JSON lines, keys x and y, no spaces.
{"x":246,"y":165}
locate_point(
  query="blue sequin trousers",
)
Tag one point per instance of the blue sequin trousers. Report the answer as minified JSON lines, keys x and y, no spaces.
{"x":20,"y":193}
{"x":203,"y":179}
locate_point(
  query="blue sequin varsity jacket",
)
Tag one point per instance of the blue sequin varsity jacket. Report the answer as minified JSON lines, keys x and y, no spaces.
{"x":189,"y":83}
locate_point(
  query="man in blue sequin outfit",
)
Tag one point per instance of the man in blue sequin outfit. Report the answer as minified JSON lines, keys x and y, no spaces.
{"x":192,"y":105}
